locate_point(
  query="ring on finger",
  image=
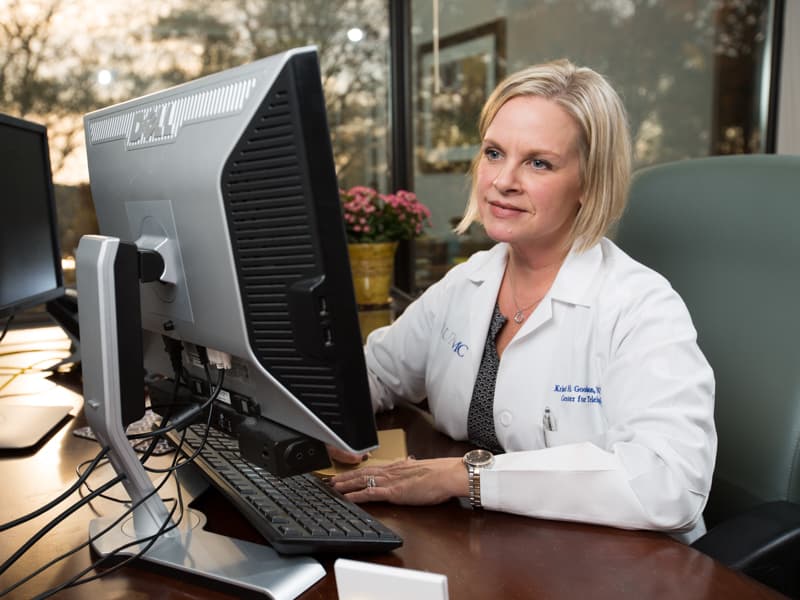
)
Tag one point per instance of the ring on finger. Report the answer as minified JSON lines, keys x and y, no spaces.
{"x":371,"y":481}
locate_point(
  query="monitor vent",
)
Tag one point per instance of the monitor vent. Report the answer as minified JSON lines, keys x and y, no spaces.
{"x":267,"y":202}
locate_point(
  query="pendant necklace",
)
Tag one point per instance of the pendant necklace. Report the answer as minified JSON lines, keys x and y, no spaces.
{"x":519,"y":316}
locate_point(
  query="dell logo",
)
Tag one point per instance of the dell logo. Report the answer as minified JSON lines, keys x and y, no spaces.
{"x":152,"y":124}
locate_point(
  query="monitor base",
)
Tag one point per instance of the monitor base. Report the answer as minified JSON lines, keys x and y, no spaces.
{"x":202,"y":553}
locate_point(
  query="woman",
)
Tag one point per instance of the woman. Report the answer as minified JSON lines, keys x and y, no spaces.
{"x":575,"y":365}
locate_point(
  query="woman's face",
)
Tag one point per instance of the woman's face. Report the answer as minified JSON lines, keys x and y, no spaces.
{"x":528,"y":178}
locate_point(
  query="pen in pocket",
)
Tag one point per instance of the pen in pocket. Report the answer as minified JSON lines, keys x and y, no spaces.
{"x":549,"y":422}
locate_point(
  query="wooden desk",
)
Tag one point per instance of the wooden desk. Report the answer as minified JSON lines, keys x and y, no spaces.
{"x":483,"y":554}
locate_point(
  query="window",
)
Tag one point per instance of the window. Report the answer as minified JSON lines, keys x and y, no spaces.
{"x":694,"y":76}
{"x":60,"y":59}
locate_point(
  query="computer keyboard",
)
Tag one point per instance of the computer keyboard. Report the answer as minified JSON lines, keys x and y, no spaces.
{"x":297,"y":515}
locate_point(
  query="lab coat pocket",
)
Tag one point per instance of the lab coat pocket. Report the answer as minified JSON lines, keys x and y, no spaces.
{"x":562,"y":430}
{"x":555,"y":438}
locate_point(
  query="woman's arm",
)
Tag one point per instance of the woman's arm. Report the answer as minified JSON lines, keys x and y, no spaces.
{"x":397,"y":355}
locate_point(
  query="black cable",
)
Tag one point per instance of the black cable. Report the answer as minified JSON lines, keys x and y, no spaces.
{"x":201,"y":445}
{"x":174,"y":349}
{"x":90,"y":489}
{"x":165,"y":418}
{"x":66,"y":554}
{"x":32,"y":515}
{"x":124,"y":515}
{"x":182,"y":419}
{"x":177,"y":465}
{"x":63,"y":515}
{"x":146,"y":454}
{"x":102,"y":532}
{"x":75,"y":580}
{"x":89,"y":541}
{"x":106,"y":496}
{"x":156,"y":437}
{"x":151,"y":540}
{"x":6,"y":326}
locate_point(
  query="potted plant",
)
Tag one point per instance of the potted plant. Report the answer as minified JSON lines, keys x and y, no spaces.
{"x":375,"y":223}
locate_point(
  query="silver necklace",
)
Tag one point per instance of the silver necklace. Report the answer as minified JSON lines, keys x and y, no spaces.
{"x":519,"y":316}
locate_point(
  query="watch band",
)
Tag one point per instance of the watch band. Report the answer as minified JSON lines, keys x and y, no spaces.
{"x":475,"y":460}
{"x":474,"y":475}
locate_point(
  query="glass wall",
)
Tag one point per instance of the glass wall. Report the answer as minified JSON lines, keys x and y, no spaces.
{"x":62,"y":58}
{"x":693,"y":74}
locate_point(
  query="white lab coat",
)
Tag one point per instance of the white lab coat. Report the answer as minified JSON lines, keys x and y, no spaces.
{"x":610,"y":350}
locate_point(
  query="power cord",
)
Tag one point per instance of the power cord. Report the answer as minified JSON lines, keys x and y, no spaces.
{"x":145,"y":455}
{"x":150,"y":540}
{"x":64,"y":495}
{"x":76,"y":580}
{"x":95,"y":537}
{"x":57,"y":521}
{"x":180,"y":421}
{"x":98,"y":493}
{"x":187,"y":416}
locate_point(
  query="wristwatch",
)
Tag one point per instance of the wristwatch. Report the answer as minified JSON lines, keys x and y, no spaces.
{"x":475,"y":460}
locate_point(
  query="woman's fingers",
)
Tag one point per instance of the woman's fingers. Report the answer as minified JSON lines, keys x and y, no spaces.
{"x":405,"y":482}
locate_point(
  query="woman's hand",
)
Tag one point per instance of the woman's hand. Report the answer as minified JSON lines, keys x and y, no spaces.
{"x":409,"y":481}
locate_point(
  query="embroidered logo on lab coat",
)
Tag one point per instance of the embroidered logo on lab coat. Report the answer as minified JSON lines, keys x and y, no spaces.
{"x":578,"y":394}
{"x":450,"y":338}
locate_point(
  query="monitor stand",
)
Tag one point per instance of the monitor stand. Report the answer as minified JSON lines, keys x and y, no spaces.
{"x":188,"y":547}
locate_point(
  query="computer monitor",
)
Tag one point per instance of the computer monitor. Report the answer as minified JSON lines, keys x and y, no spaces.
{"x":30,"y":257}
{"x":231,"y":179}
{"x":30,"y":269}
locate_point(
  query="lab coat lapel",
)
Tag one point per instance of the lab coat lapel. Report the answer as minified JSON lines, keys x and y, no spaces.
{"x":486,"y":278}
{"x":541,"y":315}
{"x":570,"y":286}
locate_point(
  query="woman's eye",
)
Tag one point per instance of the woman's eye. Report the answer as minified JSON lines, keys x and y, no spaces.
{"x":491,"y":154}
{"x":538,"y":163}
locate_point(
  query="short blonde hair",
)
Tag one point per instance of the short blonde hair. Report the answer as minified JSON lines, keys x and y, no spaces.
{"x":604,"y":141}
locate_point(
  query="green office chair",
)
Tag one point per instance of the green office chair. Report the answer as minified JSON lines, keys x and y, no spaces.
{"x":725,"y":231}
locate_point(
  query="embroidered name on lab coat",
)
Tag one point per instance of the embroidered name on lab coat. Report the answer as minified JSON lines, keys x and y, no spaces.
{"x":579,"y":394}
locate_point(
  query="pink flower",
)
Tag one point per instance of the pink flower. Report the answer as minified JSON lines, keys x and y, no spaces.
{"x":373,"y":217}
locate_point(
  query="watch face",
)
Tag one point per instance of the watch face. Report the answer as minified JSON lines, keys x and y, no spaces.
{"x":479,"y":458}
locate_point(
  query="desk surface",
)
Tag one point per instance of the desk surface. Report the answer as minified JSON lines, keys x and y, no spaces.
{"x":484,"y":554}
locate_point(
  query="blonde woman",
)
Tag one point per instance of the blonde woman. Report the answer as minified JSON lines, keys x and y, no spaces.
{"x":571,"y":367}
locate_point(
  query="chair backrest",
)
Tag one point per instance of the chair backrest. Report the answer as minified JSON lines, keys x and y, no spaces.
{"x":725,"y":231}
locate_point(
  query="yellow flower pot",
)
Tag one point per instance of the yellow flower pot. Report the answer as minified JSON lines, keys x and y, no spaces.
{"x":372,"y":266}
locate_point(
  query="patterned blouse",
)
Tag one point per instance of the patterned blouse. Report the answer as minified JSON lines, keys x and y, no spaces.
{"x":480,"y":421}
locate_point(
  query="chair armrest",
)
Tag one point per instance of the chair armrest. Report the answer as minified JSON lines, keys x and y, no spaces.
{"x":763,"y":542}
{"x":761,"y":534}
